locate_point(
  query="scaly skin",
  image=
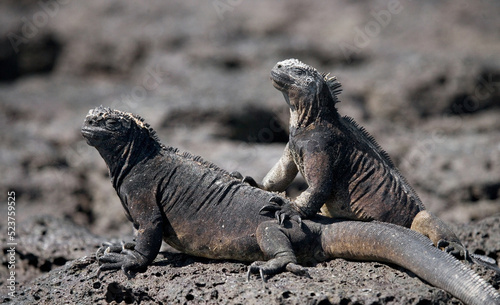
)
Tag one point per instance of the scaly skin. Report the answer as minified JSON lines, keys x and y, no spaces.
{"x":202,"y":210}
{"x":347,"y":173}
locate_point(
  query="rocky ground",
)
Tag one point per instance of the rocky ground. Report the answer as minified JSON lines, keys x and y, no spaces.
{"x":423,"y":78}
{"x":176,"y":278}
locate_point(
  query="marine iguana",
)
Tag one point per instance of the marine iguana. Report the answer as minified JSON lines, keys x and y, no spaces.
{"x":200,"y":209}
{"x":347,"y":172}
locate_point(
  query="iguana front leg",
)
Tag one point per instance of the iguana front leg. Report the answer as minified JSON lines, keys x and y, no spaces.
{"x":317,"y":171}
{"x":317,"y":168}
{"x":282,"y":173}
{"x":309,"y":202}
{"x":148,"y":221}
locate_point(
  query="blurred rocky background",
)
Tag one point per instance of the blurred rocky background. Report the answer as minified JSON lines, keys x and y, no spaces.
{"x":422,"y":77}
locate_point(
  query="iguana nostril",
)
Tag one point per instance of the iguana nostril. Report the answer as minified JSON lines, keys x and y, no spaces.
{"x":279,"y":66}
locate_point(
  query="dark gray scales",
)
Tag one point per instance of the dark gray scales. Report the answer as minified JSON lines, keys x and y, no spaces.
{"x":348,"y":174}
{"x":202,"y":210}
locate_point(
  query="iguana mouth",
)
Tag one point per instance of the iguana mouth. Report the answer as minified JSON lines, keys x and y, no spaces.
{"x":280,"y":82}
{"x":91,"y":133}
{"x":87,"y":133}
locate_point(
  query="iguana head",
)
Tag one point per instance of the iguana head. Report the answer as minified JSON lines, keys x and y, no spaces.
{"x":103,"y":126}
{"x":116,"y":134}
{"x":307,"y":92}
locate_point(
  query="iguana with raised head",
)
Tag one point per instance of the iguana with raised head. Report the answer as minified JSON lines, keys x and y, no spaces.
{"x":202,"y":210}
{"x":347,"y":173}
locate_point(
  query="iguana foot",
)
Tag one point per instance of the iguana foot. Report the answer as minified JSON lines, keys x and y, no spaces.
{"x":275,"y":266}
{"x":107,"y":247}
{"x":458,"y":250}
{"x":114,"y":256}
{"x":454,"y":248}
{"x":282,"y":209}
{"x":245,"y":179}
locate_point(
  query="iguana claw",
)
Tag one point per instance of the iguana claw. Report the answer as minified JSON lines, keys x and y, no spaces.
{"x":108,"y":247}
{"x":254,"y":268}
{"x":454,"y":248}
{"x":236,"y":174}
{"x":270,"y":268}
{"x":282,"y":209}
{"x":245,"y":179}
{"x":251,"y":181}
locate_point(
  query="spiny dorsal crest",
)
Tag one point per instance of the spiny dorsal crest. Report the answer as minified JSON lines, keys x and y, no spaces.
{"x":334,"y":86}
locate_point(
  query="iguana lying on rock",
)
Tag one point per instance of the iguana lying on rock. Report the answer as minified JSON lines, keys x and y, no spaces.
{"x":202,"y":210}
{"x":347,"y":173}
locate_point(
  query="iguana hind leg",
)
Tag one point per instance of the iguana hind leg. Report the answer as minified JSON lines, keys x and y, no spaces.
{"x":439,"y":233}
{"x":276,"y":244}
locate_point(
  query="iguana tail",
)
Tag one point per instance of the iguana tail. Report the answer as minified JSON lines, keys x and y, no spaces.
{"x":401,"y":246}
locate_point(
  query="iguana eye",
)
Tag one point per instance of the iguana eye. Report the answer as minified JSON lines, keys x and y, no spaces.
{"x":299,"y":72}
{"x":112,"y":123}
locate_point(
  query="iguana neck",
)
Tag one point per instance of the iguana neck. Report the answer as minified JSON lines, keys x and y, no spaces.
{"x":123,"y":158}
{"x":308,"y":110}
